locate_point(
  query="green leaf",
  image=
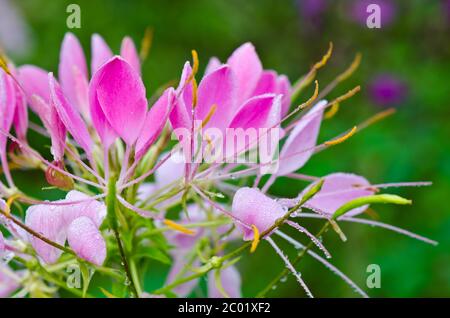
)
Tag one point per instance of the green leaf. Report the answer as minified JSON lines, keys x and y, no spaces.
{"x":153,"y":253}
{"x":377,"y":198}
{"x":86,"y":274}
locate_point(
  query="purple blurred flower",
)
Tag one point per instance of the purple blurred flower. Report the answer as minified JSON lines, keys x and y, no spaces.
{"x":311,"y":10}
{"x":358,"y":11}
{"x":387,"y":90}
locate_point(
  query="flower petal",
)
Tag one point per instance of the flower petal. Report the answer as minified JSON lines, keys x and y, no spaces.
{"x":47,"y":113}
{"x":73,"y":73}
{"x":284,"y":88}
{"x":213,"y":64}
{"x":155,"y":121}
{"x":181,"y":115}
{"x":46,"y":220}
{"x":267,"y":84}
{"x":87,"y":241}
{"x":20,"y":120}
{"x":101,"y":53}
{"x":251,"y":206}
{"x":2,"y":242}
{"x":247,"y":69}
{"x":7,"y":284}
{"x":129,"y":53}
{"x":338,"y":189}
{"x":92,"y":209}
{"x":298,"y":147}
{"x":218,"y":89}
{"x":69,"y":116}
{"x":34,"y":81}
{"x":121,"y":95}
{"x":7,"y":105}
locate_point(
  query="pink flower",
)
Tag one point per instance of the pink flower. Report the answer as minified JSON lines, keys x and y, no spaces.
{"x":77,"y":222}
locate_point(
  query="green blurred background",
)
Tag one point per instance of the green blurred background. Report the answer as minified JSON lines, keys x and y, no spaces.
{"x":412,"y":47}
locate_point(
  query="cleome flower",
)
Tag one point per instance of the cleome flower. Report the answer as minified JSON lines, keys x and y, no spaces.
{"x":179,"y":178}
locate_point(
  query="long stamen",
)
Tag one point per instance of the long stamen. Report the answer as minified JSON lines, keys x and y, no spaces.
{"x":218,"y":207}
{"x":327,"y":264}
{"x":145,"y":175}
{"x":289,"y":266}
{"x":141,"y":212}
{"x":314,"y":239}
{"x":374,"y":223}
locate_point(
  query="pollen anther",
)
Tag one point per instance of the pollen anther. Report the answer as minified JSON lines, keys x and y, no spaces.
{"x":256,"y":239}
{"x":178,"y":227}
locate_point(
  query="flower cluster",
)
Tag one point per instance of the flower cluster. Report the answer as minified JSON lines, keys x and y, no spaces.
{"x":138,"y":187}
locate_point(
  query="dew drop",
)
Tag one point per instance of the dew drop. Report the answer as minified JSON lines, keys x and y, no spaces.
{"x":283,"y":279}
{"x":274,"y":287}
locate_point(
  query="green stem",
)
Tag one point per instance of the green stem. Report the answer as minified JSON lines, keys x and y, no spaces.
{"x":112,"y":218}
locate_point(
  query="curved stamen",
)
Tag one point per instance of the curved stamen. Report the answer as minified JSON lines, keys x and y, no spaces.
{"x":374,"y":223}
{"x":327,"y":264}
{"x":314,"y":239}
{"x":289,"y":266}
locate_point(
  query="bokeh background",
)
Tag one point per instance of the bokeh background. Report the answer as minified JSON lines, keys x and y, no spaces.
{"x":406,"y":65}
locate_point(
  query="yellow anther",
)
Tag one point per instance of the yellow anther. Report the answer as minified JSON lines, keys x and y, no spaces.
{"x":312,"y":98}
{"x":178,"y":227}
{"x":341,"y":139}
{"x":146,"y":43}
{"x":194,"y":92}
{"x":333,"y":111}
{"x":9,"y":203}
{"x":4,"y":64}
{"x":347,"y":95}
{"x":376,"y":118}
{"x":351,"y":69}
{"x":208,"y":116}
{"x":325,"y":58}
{"x":256,"y":239}
{"x":194,"y":62}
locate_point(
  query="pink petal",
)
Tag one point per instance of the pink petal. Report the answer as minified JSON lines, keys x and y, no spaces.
{"x":303,"y":137}
{"x":73,"y":73}
{"x":247,"y":69}
{"x":129,"y":53}
{"x":20,"y":120}
{"x":102,"y":126}
{"x":218,"y":89}
{"x":121,"y":96}
{"x":338,"y":189}
{"x":213,"y":64}
{"x":155,"y":121}
{"x":267,"y":84}
{"x":2,"y":242}
{"x":181,"y":116}
{"x":284,"y":88}
{"x":7,"y":106}
{"x":70,"y":116}
{"x":46,"y":220}
{"x":34,"y":81}
{"x":93,"y":209}
{"x":251,"y":206}
{"x":87,"y":241}
{"x":258,"y":112}
{"x":101,"y":53}
{"x":255,"y":113}
{"x":7,"y":284}
{"x":231,"y":283}
{"x":53,"y":124}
